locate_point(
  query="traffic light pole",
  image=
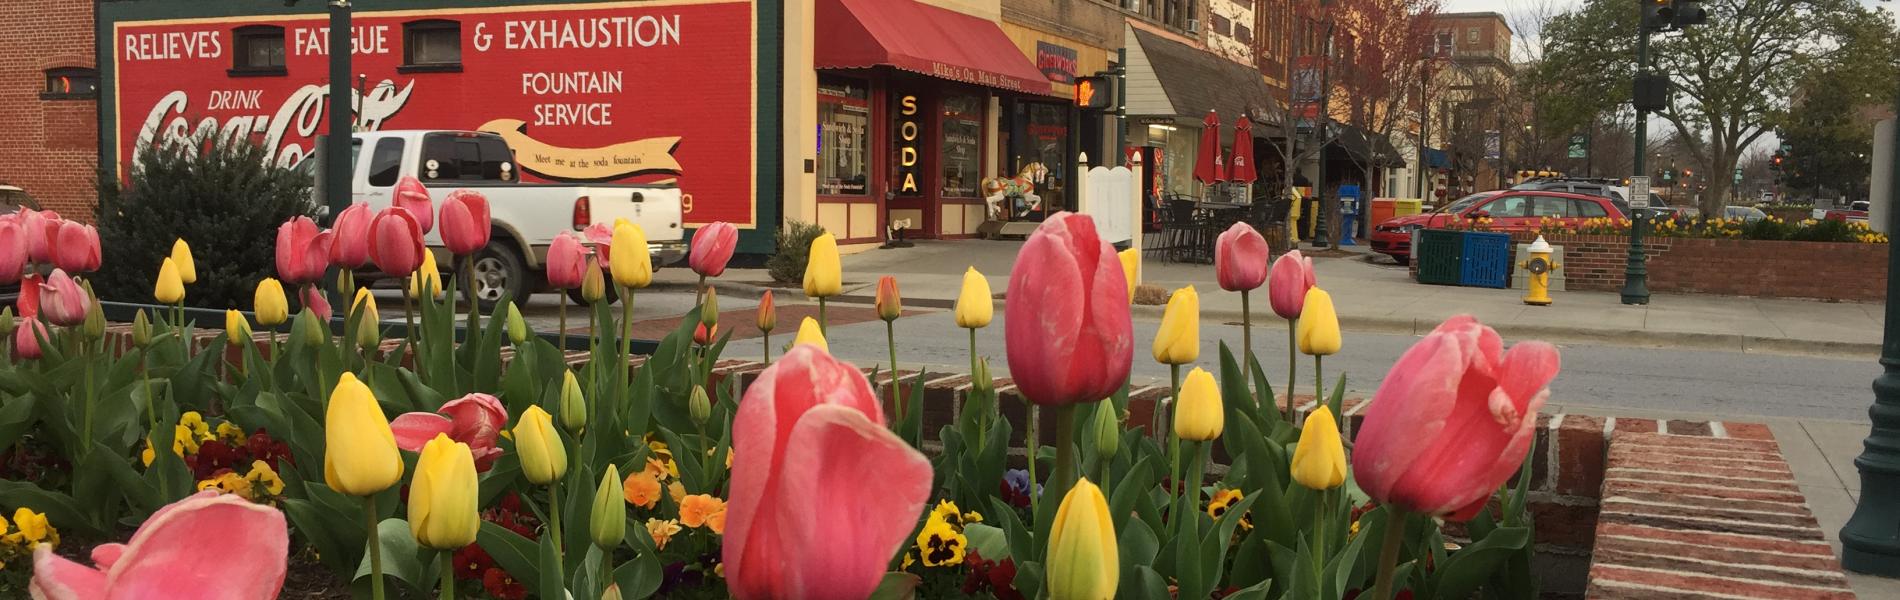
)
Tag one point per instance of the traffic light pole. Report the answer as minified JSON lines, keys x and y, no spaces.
{"x":1870,"y":542}
{"x":1635,"y":273}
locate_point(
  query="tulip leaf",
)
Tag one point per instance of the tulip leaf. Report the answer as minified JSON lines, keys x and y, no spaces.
{"x":552,"y":585}
{"x":986,"y":540}
{"x":1029,"y":575}
{"x":1020,"y":543}
{"x":16,"y":416}
{"x":513,"y":553}
{"x":1252,"y":563}
{"x":1257,"y":591}
{"x":324,"y":532}
{"x":1148,"y":585}
{"x":1263,"y":390}
{"x":403,"y":558}
{"x":640,"y":577}
{"x":1138,"y":546}
{"x":61,"y":510}
{"x":1460,"y":574}
{"x":1340,"y":570}
{"x":1133,"y":485}
{"x":423,"y":397}
{"x":897,"y":585}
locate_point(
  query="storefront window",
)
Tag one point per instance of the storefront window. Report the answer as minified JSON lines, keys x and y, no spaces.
{"x":1047,"y":131}
{"x":844,"y":136}
{"x":962,"y":146}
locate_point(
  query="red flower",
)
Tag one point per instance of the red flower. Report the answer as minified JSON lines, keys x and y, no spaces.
{"x":500,"y":585}
{"x":472,"y":563}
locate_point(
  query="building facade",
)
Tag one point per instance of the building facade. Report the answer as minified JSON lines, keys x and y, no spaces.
{"x":49,"y":100}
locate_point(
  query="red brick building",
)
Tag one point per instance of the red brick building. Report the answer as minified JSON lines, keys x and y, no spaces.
{"x":49,"y":143}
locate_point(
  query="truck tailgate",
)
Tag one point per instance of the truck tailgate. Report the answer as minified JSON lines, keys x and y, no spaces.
{"x":656,"y":210}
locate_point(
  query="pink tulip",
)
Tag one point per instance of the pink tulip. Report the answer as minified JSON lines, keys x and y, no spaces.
{"x":1067,"y":324}
{"x":41,"y":229}
{"x":303,"y":251}
{"x":475,"y":419}
{"x":567,"y":262}
{"x":62,"y":301}
{"x":12,"y":251}
{"x":395,"y":242}
{"x":602,"y":235}
{"x":1453,"y":420}
{"x":1286,"y":287}
{"x":712,"y":248}
{"x":1240,"y":258}
{"x":822,"y":493}
{"x":169,"y":558}
{"x":465,"y":222}
{"x":26,"y":339}
{"x":29,"y":302}
{"x":412,"y":195}
{"x":76,"y":247}
{"x":318,"y":302}
{"x":350,"y":248}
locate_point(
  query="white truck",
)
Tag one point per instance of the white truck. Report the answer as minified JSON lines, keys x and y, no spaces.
{"x":525,"y":216}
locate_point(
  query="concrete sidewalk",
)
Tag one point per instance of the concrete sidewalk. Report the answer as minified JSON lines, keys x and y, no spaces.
{"x":1374,"y":295}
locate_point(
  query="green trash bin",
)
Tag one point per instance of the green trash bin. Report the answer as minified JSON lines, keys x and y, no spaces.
{"x":1440,"y":255}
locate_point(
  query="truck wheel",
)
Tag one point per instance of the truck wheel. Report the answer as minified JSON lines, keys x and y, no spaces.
{"x":498,"y":271}
{"x":612,"y":294}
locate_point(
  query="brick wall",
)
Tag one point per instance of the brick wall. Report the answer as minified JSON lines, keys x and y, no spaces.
{"x":1773,"y":269}
{"x":47,"y":147}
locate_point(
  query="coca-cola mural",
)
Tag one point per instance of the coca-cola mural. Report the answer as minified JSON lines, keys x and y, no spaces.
{"x":626,"y":92}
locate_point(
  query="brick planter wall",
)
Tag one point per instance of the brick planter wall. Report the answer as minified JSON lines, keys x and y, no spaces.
{"x":1772,"y":269}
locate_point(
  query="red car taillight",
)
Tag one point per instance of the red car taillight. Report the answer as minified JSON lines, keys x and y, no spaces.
{"x":583,"y":213}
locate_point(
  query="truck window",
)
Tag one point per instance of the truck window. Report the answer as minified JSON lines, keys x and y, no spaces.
{"x":466,"y":158}
{"x":385,"y":163}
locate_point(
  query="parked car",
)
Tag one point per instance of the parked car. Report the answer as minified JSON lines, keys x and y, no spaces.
{"x":1509,"y":211}
{"x":525,"y":216}
{"x":1607,"y":188}
{"x":1745,"y":214}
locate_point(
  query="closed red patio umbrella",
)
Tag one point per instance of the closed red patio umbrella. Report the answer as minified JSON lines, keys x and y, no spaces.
{"x":1208,"y":166}
{"x":1241,"y":169}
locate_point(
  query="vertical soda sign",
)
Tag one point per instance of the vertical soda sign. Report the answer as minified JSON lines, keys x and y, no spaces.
{"x":646,"y":92}
{"x":908,"y":134}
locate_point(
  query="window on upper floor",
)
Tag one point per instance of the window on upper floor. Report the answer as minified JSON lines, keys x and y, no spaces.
{"x":259,"y":50}
{"x":1442,"y":46}
{"x":71,"y":83}
{"x":1221,"y":25}
{"x":1471,"y":35}
{"x":431,"y":45}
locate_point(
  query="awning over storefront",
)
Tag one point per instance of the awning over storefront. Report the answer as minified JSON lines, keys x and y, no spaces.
{"x":916,"y":37}
{"x":1365,"y":147}
{"x":1196,"y":82}
{"x":1437,"y":159}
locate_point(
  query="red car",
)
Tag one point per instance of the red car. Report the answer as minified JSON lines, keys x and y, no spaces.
{"x":1509,"y":210}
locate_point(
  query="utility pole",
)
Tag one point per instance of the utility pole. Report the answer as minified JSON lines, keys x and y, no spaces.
{"x":336,"y":148}
{"x":1424,"y":121}
{"x":1870,"y":542}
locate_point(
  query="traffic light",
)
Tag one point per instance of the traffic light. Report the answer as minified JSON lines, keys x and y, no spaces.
{"x":1689,"y":12}
{"x":1095,"y":92}
{"x":1658,"y":15}
{"x":1776,"y":164}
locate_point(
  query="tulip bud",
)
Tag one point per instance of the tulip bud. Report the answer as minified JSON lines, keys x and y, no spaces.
{"x":444,"y":496}
{"x":1319,"y":461}
{"x":1179,"y":340}
{"x":269,"y":304}
{"x":612,"y":593}
{"x":810,"y":333}
{"x":170,"y":288}
{"x":1318,"y":329}
{"x":427,"y":280}
{"x":181,"y":255}
{"x":1108,"y":431}
{"x":369,"y":326}
{"x":95,"y":326}
{"x":824,"y":274}
{"x":543,"y":457}
{"x":237,"y":329}
{"x":890,"y":305}
{"x":1198,"y":415}
{"x":593,"y":283}
{"x":141,"y":327}
{"x":1084,"y":561}
{"x":607,"y":525}
{"x":7,"y":324}
{"x":709,"y":308}
{"x":310,"y":330}
{"x":975,"y":304}
{"x":1131,"y":270}
{"x":517,"y":328}
{"x":768,"y":314}
{"x":632,"y":265}
{"x":573,"y":403}
{"x":360,"y":457}
{"x":701,"y":405}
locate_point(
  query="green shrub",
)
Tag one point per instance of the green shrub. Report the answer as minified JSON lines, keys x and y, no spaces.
{"x":223,"y":200}
{"x":787,"y":264}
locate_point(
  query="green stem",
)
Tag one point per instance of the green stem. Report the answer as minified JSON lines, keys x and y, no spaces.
{"x":1190,"y":497}
{"x":607,"y":567}
{"x":474,"y":303}
{"x":375,"y":549}
{"x":822,"y":321}
{"x":409,"y":314}
{"x":1064,"y":475}
{"x":768,"y":347}
{"x":1174,"y":446}
{"x":563,"y":313}
{"x":448,"y":583}
{"x":1246,"y":341}
{"x":626,"y":326}
{"x":85,"y":441}
{"x":1033,"y":444}
{"x":1292,"y":363}
{"x":1162,"y":428}
{"x":897,"y":402}
{"x":554,"y":523}
{"x":1389,"y":555}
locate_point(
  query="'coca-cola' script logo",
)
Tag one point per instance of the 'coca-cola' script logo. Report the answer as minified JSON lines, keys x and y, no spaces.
{"x":284,"y":134}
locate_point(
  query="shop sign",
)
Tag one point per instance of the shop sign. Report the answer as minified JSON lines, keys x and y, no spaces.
{"x":620,"y":94}
{"x":909,"y":143}
{"x":1057,"y":62}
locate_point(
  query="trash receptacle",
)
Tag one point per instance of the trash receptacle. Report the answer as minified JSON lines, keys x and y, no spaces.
{"x":1405,"y":207}
{"x":1381,"y":210}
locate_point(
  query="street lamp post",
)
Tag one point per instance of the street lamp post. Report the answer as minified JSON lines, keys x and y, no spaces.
{"x":336,"y":149}
{"x":1635,"y":273}
{"x":1870,"y":542}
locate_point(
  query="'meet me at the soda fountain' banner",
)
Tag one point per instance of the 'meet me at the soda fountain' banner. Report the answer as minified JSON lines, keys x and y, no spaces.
{"x":626,"y":93}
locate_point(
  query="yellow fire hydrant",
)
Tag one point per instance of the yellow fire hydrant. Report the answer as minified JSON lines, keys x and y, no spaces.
{"x":1540,"y":267}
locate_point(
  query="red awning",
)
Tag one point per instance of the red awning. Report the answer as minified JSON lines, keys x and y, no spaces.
{"x":909,"y":35}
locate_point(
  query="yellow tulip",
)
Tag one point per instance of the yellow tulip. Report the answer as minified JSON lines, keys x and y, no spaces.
{"x":427,"y":282}
{"x":360,"y":456}
{"x":1131,"y":270}
{"x":1319,"y":461}
{"x":1318,"y":329}
{"x":369,"y":330}
{"x":181,"y":255}
{"x":444,"y":511}
{"x":1198,"y":415}
{"x":809,"y":333}
{"x":824,"y":275}
{"x":269,"y":303}
{"x":1084,"y":560}
{"x":170,"y":288}
{"x":607,"y":526}
{"x":237,"y":330}
{"x":975,"y":305}
{"x":573,"y":403}
{"x":630,"y":261}
{"x":593,"y":284}
{"x":543,"y":457}
{"x":1179,"y":340}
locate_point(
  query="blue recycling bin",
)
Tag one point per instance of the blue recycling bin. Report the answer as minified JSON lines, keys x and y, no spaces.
{"x":1349,"y":202}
